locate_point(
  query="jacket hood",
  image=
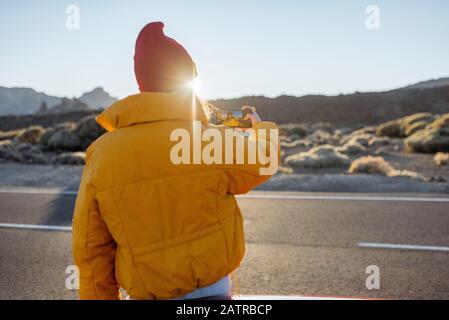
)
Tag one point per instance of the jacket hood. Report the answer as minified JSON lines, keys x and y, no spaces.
{"x":153,"y":106}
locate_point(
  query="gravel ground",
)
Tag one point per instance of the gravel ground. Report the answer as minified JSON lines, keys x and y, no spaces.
{"x":35,"y":175}
{"x":67,"y":177}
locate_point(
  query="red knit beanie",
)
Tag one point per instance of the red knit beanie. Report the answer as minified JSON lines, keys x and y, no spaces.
{"x":160,"y":63}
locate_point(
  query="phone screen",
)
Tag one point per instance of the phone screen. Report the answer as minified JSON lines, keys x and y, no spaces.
{"x":224,"y":113}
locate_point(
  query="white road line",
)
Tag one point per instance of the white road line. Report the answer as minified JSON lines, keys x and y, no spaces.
{"x":35,"y":226}
{"x":264,"y":196}
{"x":360,"y":244}
{"x":401,"y":246}
{"x":344,"y":197}
{"x":38,"y":191}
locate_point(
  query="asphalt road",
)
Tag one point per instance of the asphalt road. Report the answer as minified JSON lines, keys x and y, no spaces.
{"x":297,"y":244}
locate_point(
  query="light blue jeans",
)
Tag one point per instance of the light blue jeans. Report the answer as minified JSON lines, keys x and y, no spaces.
{"x":220,"y":288}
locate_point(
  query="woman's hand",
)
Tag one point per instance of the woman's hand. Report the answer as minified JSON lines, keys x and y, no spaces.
{"x":254,"y":112}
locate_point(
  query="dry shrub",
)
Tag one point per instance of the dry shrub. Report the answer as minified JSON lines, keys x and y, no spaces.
{"x":371,"y":165}
{"x":379,"y":141}
{"x":318,"y":157}
{"x":8,"y":135}
{"x":71,"y":158}
{"x":293,"y":129}
{"x":30,"y":135}
{"x":362,"y":139}
{"x":378,"y":165}
{"x":352,"y":148}
{"x":295,"y":143}
{"x":434,"y":138}
{"x":441,"y":159}
{"x":405,"y":126}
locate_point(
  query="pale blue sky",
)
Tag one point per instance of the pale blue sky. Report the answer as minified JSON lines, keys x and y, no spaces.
{"x":241,"y":47}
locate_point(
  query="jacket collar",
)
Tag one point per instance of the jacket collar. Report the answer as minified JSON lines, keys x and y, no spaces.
{"x":153,"y":106}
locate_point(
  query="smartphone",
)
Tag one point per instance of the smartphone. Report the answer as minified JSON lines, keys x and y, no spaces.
{"x":230,"y":117}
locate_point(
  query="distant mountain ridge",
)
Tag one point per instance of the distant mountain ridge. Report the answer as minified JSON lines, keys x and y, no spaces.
{"x":23,"y":101}
{"x":356,"y":109}
{"x":429,"y":84}
{"x":66,"y":105}
{"x":97,"y":98}
{"x":352,"y":110}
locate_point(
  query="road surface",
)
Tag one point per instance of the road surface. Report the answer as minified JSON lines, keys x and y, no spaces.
{"x":297,"y":244}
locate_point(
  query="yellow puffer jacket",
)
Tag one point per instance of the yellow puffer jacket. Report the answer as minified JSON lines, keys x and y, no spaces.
{"x":156,"y":229}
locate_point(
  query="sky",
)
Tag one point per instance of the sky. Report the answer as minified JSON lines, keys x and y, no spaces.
{"x":241,"y":47}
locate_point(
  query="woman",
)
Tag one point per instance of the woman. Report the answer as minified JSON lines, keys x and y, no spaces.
{"x":158,"y":229}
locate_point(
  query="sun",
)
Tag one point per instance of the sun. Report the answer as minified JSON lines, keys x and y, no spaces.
{"x":195,"y":85}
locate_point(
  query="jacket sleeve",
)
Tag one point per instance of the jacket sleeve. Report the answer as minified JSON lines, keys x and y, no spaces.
{"x":93,"y":247}
{"x":246,"y":175}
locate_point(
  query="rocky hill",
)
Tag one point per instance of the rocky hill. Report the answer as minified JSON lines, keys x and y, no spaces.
{"x":434,"y":83}
{"x":25,"y":101}
{"x":97,"y":98}
{"x":350,"y":110}
{"x":357,"y":109}
{"x":66,"y":105}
